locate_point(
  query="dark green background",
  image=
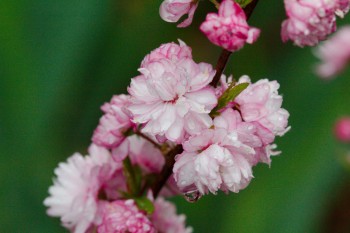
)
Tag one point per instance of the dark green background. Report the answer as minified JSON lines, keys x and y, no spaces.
{"x":60,"y":60}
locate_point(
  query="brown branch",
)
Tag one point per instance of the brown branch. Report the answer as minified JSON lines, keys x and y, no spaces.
{"x":166,"y":171}
{"x":248,"y":10}
{"x":225,"y":54}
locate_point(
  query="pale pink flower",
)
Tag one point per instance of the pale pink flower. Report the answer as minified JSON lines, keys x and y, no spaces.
{"x":141,"y":152}
{"x":213,"y":160}
{"x":173,"y":10}
{"x":249,"y":133}
{"x":170,"y":188}
{"x":165,"y":219}
{"x":343,"y":7}
{"x":74,"y":195}
{"x":113,"y":124}
{"x":172,"y":97}
{"x":229,"y":28}
{"x":334,"y":53}
{"x":115,"y":186}
{"x":261,"y":103}
{"x":144,"y":154}
{"x":123,"y":216}
{"x":309,"y":21}
{"x":342,"y":129}
{"x":171,"y":51}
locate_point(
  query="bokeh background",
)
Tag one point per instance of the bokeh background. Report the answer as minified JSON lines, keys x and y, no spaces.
{"x":60,"y":60}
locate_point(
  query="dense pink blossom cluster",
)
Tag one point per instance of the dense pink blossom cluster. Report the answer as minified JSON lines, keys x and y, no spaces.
{"x":173,"y":10}
{"x":222,"y":157}
{"x":311,"y":21}
{"x":334,"y":54}
{"x":229,"y":28}
{"x":76,"y":194}
{"x":170,"y":103}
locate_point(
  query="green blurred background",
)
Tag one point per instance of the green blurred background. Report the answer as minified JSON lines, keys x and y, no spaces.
{"x":60,"y":60}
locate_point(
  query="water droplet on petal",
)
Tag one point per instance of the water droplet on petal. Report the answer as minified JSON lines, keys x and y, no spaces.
{"x":193,"y":196}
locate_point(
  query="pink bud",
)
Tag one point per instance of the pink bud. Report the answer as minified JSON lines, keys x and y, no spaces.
{"x":173,"y":10}
{"x":342,"y":129}
{"x":229,"y":28}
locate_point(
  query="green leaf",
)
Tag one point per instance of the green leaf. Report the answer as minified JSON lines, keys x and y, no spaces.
{"x":133,"y":177}
{"x":144,"y":204}
{"x":229,"y":95}
{"x":243,"y":3}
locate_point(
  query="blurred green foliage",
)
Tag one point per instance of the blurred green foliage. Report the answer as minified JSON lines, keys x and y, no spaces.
{"x":60,"y":60}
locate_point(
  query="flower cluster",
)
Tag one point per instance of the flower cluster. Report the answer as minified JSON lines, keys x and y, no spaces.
{"x":311,"y":21}
{"x":176,"y":132}
{"x":242,"y":135}
{"x":88,"y":193}
{"x":170,"y":103}
{"x":334,"y":53}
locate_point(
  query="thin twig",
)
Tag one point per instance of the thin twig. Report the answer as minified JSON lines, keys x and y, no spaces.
{"x":167,"y":170}
{"x":217,"y":5}
{"x":225,"y":54}
{"x":148,"y":139}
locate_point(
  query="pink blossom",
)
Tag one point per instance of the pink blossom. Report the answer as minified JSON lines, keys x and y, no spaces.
{"x":74,"y":195}
{"x":334,"y":53}
{"x":124,"y":216}
{"x":171,"y":51}
{"x":170,"y":188}
{"x":140,"y":152}
{"x":342,"y":8}
{"x":309,"y":21}
{"x":261,"y":103}
{"x":342,"y":129}
{"x":213,"y":160}
{"x":229,"y":28}
{"x":172,"y":97}
{"x":249,"y":133}
{"x":144,"y":154}
{"x":173,"y":10}
{"x":113,"y":124}
{"x":166,"y":220}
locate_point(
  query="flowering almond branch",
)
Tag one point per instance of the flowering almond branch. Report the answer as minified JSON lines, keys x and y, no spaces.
{"x":176,"y":132}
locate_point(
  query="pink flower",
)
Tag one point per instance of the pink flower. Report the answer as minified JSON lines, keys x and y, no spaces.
{"x":334,"y":53}
{"x":309,"y":21}
{"x":213,"y":160}
{"x":171,"y":51}
{"x":144,"y":154}
{"x":173,"y":10}
{"x":343,"y":7}
{"x":113,"y":124}
{"x":229,"y":29}
{"x":342,"y":129}
{"x":251,"y":134}
{"x":74,"y":195}
{"x":166,"y":220}
{"x":124,"y":216}
{"x":261,"y":103}
{"x":172,"y":97}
